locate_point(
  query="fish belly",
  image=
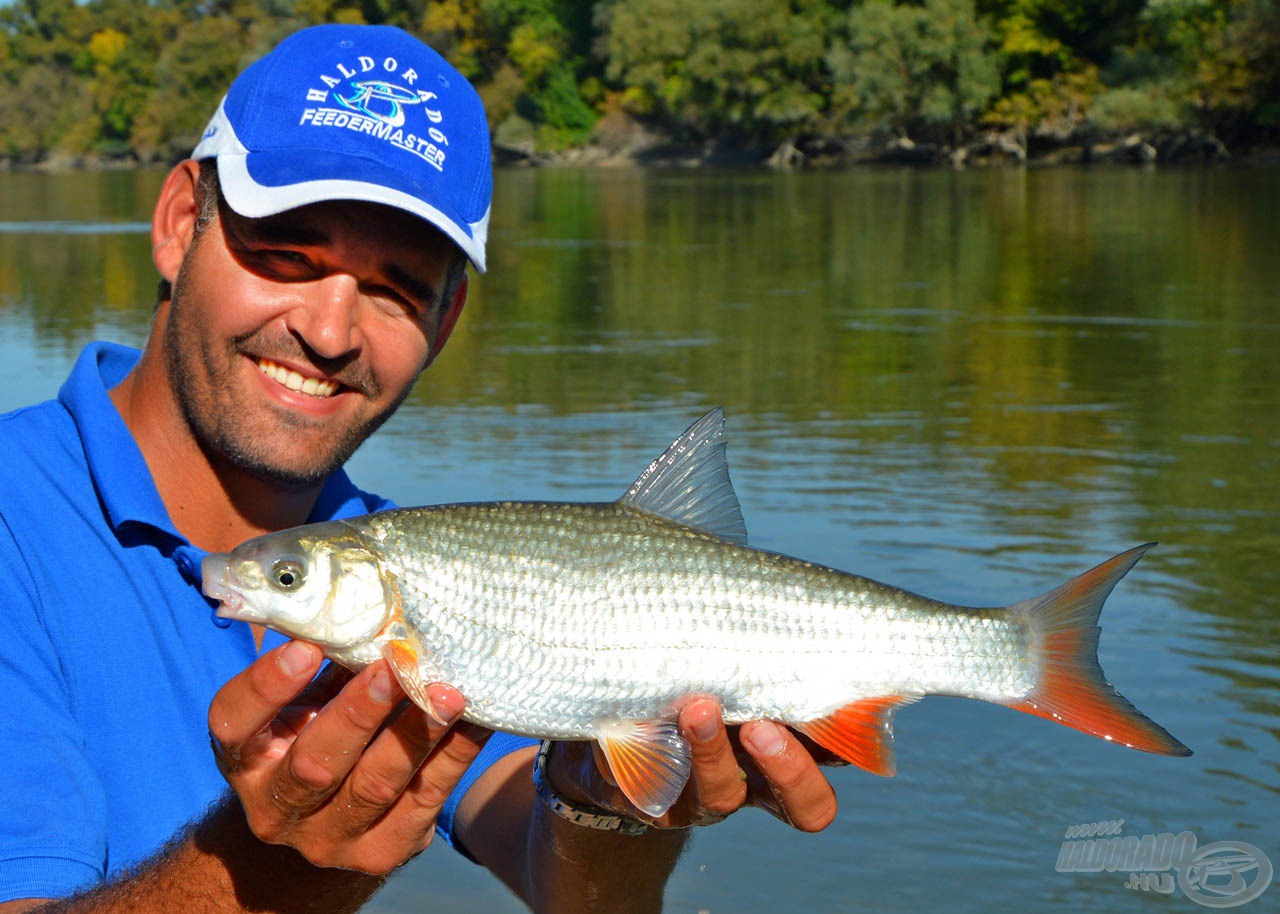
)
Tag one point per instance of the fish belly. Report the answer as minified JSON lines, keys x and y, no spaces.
{"x":551,"y":618}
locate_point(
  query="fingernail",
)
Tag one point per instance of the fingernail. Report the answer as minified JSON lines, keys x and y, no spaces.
{"x":438,"y":706}
{"x":704,"y":730}
{"x":296,"y":658}
{"x":381,"y":686}
{"x":765,"y":738}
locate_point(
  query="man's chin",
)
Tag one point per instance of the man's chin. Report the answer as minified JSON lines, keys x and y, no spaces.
{"x":290,"y":479}
{"x":310,"y":469}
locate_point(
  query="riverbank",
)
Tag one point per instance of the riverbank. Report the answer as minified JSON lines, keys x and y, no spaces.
{"x":619,"y":141}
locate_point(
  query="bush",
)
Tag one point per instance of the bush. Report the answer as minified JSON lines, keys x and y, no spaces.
{"x":1137,"y":108}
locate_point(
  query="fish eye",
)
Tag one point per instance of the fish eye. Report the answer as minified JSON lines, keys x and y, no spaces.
{"x":287,"y":575}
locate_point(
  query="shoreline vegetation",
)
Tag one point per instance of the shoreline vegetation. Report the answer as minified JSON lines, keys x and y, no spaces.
{"x":783,"y":83}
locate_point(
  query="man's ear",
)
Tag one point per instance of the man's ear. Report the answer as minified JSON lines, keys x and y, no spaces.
{"x":449,"y":319}
{"x":173,"y":224}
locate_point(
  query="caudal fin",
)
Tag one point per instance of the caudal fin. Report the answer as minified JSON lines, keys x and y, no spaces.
{"x":1072,"y":689}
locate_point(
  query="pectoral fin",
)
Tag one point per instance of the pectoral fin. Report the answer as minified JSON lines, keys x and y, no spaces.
{"x":861,"y":732}
{"x":649,"y":761}
{"x":402,"y":656}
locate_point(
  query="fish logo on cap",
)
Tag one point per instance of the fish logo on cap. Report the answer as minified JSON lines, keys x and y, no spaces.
{"x":375,"y":90}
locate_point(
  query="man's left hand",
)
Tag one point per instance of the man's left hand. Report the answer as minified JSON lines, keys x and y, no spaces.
{"x":756,"y":764}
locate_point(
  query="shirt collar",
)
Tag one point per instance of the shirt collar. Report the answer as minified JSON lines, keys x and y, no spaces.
{"x":120,"y":473}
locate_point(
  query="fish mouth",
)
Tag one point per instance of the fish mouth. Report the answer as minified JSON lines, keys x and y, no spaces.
{"x":215,"y":572}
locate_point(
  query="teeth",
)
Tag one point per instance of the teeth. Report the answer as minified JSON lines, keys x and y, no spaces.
{"x":291,"y":379}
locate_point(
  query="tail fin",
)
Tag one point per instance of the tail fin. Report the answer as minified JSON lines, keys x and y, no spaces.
{"x":1072,"y":689}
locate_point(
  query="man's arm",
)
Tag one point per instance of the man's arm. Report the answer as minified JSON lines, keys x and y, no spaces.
{"x":218,"y":867}
{"x":332,"y":793}
{"x":357,"y":795}
{"x":558,"y":867}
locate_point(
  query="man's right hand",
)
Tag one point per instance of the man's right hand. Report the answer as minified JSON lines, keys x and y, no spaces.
{"x":340,"y":768}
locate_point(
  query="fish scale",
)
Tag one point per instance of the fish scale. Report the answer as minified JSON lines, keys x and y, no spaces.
{"x":649,"y":612}
{"x":595,"y":621}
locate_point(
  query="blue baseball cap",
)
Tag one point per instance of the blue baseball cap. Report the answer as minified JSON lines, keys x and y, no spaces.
{"x":356,"y":112}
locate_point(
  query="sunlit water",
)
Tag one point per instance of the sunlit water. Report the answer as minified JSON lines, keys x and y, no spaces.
{"x":970,"y":385}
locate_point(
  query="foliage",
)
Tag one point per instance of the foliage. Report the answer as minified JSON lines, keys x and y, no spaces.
{"x":908,"y":66}
{"x":134,"y":78}
{"x":1131,"y":107}
{"x":710,"y":67}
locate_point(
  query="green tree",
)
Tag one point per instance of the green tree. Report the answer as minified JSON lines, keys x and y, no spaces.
{"x":30,"y":119}
{"x":709,"y":67}
{"x":1228,"y":56}
{"x":914,"y":67}
{"x":192,"y":73}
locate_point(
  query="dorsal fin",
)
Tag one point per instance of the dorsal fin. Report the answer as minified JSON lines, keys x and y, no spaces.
{"x":690,"y":485}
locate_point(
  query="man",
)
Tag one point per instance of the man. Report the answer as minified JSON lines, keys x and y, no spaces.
{"x":313,"y":257}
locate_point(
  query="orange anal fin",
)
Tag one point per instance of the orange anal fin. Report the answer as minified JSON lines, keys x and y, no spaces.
{"x":402,"y":656}
{"x":861,"y":732}
{"x":648,"y":759}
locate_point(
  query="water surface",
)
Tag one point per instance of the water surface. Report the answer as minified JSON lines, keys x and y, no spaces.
{"x":973,"y":385}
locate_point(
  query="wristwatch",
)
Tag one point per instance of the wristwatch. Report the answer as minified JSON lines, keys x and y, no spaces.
{"x":586,"y":816}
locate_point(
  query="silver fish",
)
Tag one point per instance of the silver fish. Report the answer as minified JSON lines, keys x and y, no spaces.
{"x":595,"y":621}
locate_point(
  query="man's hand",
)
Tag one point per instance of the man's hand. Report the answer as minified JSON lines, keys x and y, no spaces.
{"x":342,"y":769}
{"x":758,"y":764}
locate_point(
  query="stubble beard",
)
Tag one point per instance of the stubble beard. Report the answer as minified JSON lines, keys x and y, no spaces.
{"x":201,"y":387}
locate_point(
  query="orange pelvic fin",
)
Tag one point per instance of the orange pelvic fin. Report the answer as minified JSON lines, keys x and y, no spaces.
{"x":649,"y":761}
{"x":861,"y":732}
{"x":1072,"y":688}
{"x":402,"y":656}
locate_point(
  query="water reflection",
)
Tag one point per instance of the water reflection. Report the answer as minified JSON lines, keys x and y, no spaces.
{"x":973,"y":384}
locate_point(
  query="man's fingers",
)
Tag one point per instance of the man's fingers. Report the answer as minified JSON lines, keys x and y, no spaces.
{"x":392,"y":760}
{"x":249,"y":702}
{"x":329,"y":683}
{"x":716,"y":777}
{"x":325,"y":752}
{"x":414,"y":814}
{"x":807,"y":799}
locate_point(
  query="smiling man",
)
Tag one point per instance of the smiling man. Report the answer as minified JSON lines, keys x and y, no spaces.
{"x":313,"y":257}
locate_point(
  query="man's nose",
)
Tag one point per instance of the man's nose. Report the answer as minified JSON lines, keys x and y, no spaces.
{"x":328,"y":321}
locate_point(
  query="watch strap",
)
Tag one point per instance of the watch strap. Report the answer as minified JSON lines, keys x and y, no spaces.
{"x":583,"y":815}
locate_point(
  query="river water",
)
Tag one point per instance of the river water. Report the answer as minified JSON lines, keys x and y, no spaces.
{"x":973,"y":385}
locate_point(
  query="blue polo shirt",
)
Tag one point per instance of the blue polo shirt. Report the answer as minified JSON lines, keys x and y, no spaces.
{"x":109,"y":652}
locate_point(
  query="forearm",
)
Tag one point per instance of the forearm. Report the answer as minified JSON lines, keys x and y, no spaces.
{"x":555,"y":866}
{"x":218,"y":867}
{"x":571,"y":869}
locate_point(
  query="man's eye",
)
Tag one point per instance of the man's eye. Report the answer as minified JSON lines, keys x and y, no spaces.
{"x":288,"y":257}
{"x":397,"y":300}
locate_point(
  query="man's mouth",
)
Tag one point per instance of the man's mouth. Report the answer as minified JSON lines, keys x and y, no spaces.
{"x":287,"y":377}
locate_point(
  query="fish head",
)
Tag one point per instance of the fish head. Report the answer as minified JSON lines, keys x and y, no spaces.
{"x":321,"y":583}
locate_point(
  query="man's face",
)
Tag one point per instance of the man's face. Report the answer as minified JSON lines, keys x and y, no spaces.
{"x":290,"y":339}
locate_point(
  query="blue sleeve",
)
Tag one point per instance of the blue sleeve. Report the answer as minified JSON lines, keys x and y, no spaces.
{"x":52,"y":805}
{"x":499,"y":746}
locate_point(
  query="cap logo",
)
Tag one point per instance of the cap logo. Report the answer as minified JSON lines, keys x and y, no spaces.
{"x":374,"y":91}
{"x":376,"y":106}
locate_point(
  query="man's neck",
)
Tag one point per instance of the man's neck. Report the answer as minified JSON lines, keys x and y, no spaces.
{"x":211,"y":503}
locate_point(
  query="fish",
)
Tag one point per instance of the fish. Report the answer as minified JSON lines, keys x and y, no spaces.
{"x":596,"y":621}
